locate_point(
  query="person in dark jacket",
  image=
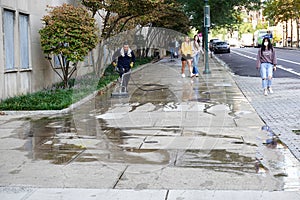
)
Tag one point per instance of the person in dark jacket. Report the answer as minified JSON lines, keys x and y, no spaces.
{"x":123,"y":59}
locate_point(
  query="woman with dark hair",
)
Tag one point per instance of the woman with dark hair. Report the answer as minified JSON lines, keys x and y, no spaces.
{"x":196,"y":54}
{"x":266,"y":62}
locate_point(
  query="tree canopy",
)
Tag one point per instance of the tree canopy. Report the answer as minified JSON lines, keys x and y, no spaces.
{"x":69,"y":34}
{"x":223,"y":13}
{"x":278,"y":11}
{"x":282,"y":10}
{"x":124,"y":15}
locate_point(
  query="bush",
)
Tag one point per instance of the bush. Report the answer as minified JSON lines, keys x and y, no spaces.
{"x":57,"y":98}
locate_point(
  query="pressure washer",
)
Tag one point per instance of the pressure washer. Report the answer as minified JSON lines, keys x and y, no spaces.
{"x":121,"y":89}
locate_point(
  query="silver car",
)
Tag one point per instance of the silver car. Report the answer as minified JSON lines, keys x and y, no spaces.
{"x":221,"y":47}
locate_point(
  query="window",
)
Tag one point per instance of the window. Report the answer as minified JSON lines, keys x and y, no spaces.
{"x":9,"y":19}
{"x":24,"y":43}
{"x":57,"y":63}
{"x":88,"y":59}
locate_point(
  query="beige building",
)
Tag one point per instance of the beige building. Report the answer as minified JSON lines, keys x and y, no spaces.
{"x":23,"y":67}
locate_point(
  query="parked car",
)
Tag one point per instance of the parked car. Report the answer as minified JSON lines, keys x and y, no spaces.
{"x":212,"y":43}
{"x":221,"y":47}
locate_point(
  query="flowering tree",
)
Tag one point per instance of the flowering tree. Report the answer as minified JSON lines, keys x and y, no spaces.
{"x":69,"y":34}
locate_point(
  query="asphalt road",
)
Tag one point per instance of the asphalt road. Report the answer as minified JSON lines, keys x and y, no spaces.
{"x":242,"y":61}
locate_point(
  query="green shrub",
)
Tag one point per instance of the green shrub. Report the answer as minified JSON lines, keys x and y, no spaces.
{"x":57,"y":98}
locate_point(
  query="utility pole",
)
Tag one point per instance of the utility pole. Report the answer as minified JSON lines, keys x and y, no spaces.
{"x":206,"y":26}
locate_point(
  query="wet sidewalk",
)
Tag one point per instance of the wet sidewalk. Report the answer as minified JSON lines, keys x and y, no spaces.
{"x":172,"y":138}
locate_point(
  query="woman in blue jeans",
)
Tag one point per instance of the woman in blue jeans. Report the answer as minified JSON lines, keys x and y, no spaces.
{"x":266,"y":62}
{"x":196,"y":54}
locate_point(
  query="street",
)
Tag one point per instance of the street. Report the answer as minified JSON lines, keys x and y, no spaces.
{"x":242,"y":61}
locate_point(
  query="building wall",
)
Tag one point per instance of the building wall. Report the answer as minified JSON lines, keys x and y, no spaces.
{"x":38,"y":75}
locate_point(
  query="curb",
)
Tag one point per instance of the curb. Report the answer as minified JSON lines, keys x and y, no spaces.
{"x":72,"y":106}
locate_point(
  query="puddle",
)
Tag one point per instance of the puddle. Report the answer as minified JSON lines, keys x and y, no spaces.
{"x":84,"y":137}
{"x":217,"y":160}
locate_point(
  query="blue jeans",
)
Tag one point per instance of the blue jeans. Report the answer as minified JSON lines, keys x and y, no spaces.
{"x":266,"y":73}
{"x":172,"y":53}
{"x":195,"y":63}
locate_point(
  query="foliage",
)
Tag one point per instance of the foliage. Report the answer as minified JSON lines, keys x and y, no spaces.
{"x":223,"y":13}
{"x":246,"y":28}
{"x":282,"y":11}
{"x":125,"y":15}
{"x":69,"y":33}
{"x":43,"y":100}
{"x":57,"y":98}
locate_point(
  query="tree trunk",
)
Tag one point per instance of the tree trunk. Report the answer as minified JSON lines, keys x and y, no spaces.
{"x":298,"y":32}
{"x":286,"y":33}
{"x":66,"y":80}
{"x":291,"y":33}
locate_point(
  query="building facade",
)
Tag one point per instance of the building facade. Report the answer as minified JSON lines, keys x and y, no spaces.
{"x":23,"y":67}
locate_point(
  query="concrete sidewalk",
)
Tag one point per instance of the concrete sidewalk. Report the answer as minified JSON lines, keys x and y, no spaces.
{"x":113,"y":194}
{"x":173,"y":138}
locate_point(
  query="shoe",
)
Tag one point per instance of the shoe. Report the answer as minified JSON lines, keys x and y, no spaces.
{"x":197,"y":75}
{"x":270,"y":90}
{"x":265,"y":92}
{"x":192,"y":75}
{"x":182,"y":75}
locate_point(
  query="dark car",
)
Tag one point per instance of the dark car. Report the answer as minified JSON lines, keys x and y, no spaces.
{"x":212,"y":42}
{"x":221,"y":47}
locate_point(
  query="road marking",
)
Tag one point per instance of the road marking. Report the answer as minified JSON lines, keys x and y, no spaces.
{"x":240,"y":54}
{"x":278,"y":66}
{"x":289,"y":61}
{"x":288,"y":70}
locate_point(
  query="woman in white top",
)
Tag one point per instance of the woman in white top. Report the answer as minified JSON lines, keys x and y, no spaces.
{"x":196,"y":54}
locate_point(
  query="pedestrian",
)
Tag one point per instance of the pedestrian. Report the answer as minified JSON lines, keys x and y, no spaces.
{"x":123,"y":60}
{"x":266,"y":62}
{"x":186,"y":56}
{"x":172,"y":49}
{"x":177,"y":46}
{"x":196,"y":55}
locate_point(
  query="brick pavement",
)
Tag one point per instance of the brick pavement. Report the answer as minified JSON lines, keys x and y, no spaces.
{"x":280,"y":110}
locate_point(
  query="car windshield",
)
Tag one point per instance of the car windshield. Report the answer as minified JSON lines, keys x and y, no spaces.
{"x":221,"y":43}
{"x":262,"y":33}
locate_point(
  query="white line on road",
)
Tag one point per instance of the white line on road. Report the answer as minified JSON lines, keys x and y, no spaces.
{"x":278,"y":66}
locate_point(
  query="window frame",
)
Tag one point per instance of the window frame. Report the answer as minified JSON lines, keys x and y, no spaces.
{"x":24,"y":51}
{"x":9,"y":43}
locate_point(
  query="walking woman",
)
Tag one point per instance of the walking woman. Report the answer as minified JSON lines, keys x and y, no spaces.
{"x":186,"y":56}
{"x":196,"y":54}
{"x":266,"y":62}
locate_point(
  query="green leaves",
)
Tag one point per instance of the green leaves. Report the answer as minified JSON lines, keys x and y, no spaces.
{"x":125,"y":15}
{"x":69,"y":30}
{"x":223,"y":13}
{"x":56,"y":98}
{"x":282,"y":10}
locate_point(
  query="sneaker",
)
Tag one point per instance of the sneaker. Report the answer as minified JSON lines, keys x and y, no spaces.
{"x":265,"y":92}
{"x":270,"y":90}
{"x":192,"y":75}
{"x":182,"y":75}
{"x":197,"y":75}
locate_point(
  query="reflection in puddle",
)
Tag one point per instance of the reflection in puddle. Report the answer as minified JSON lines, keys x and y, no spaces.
{"x":217,"y":160}
{"x":83,"y":137}
{"x":286,"y":166}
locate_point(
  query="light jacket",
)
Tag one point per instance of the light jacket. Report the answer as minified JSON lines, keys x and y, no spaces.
{"x":187,"y":48}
